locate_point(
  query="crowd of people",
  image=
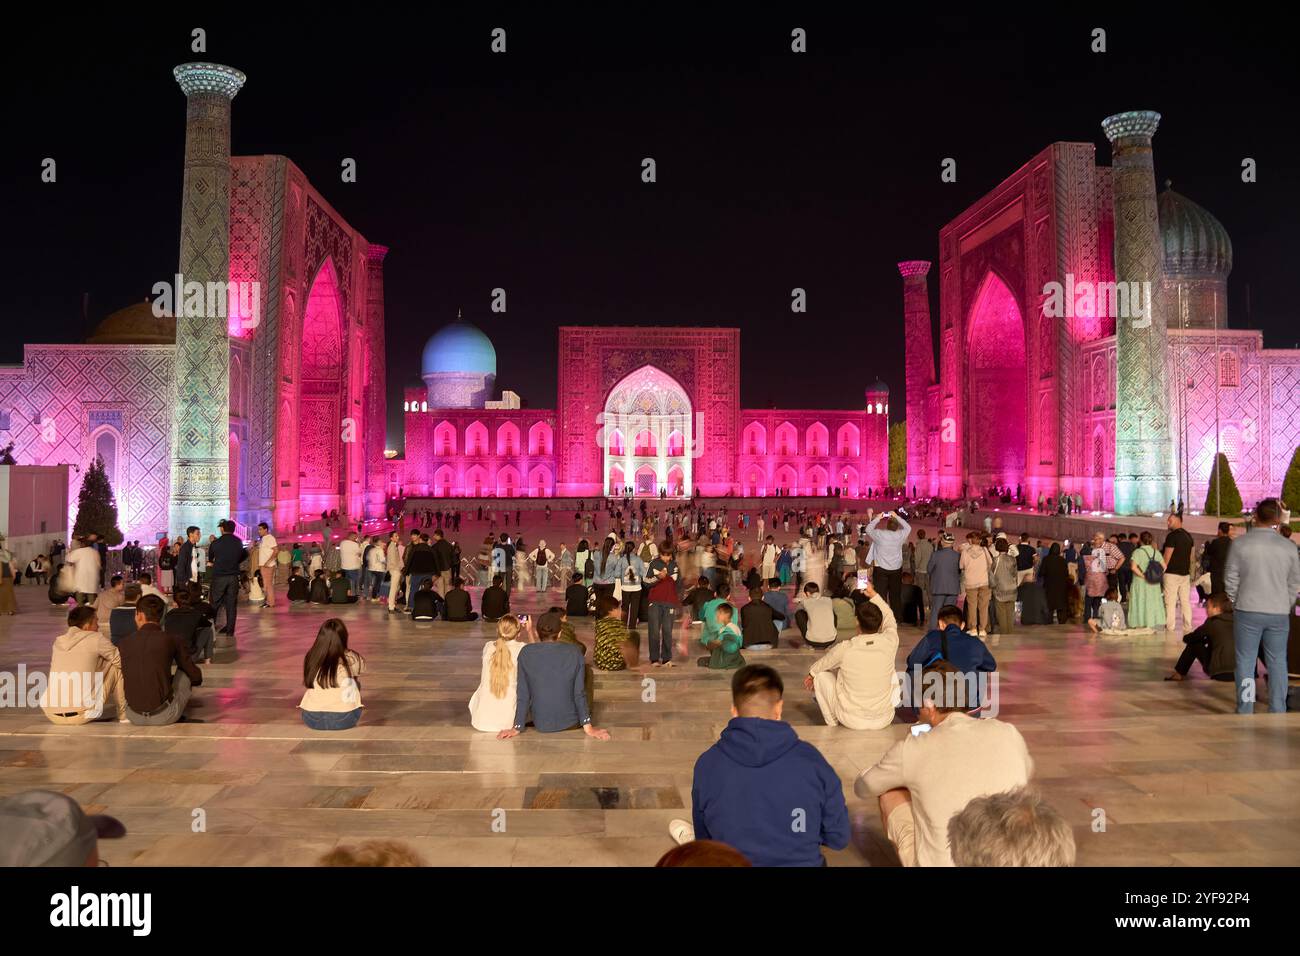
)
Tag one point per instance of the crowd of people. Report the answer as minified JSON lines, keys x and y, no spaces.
{"x":806,"y":576}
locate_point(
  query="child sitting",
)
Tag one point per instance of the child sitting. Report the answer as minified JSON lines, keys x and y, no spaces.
{"x":320,"y":587}
{"x":724,"y":649}
{"x":696,"y":598}
{"x":611,"y":635}
{"x":1110,"y":620}
{"x":341,"y":590}
{"x":299,"y":587}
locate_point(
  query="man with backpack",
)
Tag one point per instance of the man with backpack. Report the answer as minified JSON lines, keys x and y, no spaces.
{"x":965,"y":652}
{"x":1004,"y":580}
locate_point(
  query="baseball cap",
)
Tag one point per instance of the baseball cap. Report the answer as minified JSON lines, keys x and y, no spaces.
{"x":45,"y":828}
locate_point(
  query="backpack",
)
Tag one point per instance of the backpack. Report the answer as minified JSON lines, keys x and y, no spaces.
{"x":589,"y":567}
{"x":1004,"y":578}
{"x":1155,"y":571}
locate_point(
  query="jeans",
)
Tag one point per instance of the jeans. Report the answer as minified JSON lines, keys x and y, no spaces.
{"x":662,"y":618}
{"x":937,"y":602}
{"x":1250,"y":630}
{"x":543,"y":577}
{"x":225,"y":591}
{"x":354,"y":578}
{"x":413,"y":582}
{"x":331,"y":720}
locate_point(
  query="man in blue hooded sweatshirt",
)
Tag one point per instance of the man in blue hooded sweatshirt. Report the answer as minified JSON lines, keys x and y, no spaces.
{"x":967,"y":653}
{"x":762,"y":790}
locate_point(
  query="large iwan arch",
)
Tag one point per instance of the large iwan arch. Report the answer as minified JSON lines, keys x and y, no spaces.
{"x":322,"y":393}
{"x":647,"y":407}
{"x":997,"y":388}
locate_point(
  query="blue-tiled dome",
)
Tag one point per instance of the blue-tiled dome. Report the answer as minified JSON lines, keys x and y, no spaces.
{"x":459,"y":347}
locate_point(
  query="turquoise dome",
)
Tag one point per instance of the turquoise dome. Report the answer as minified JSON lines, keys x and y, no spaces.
{"x":459,"y":348}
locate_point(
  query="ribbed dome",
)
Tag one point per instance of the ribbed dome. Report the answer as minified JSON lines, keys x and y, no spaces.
{"x":135,"y":325}
{"x":1195,"y":242}
{"x":459,"y":347}
{"x":878,"y":388}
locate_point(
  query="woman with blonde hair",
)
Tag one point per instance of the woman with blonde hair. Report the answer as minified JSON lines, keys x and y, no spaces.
{"x":492,"y":708}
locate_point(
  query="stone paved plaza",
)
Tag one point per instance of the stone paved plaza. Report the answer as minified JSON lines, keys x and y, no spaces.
{"x":1181,"y":780}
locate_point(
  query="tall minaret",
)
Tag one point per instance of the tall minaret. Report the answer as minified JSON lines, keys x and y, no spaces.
{"x":1144,"y":451}
{"x":919,"y":369}
{"x":200,"y":436}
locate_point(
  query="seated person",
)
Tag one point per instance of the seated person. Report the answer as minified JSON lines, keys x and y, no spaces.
{"x":496,"y":599}
{"x":780,"y":601}
{"x":458,"y":606}
{"x":1016,"y":828}
{"x":1033,"y":603}
{"x":428,"y":604}
{"x":299,"y":587}
{"x":569,"y":636}
{"x":492,"y":708}
{"x":747,"y":785}
{"x":966,"y":652}
{"x":121,"y":620}
{"x":575,"y":598}
{"x":111,"y":597}
{"x":341,"y":589}
{"x":1212,"y":643}
{"x":329,"y":672}
{"x":81,"y":652}
{"x":844,"y":608}
{"x":611,"y":635}
{"x":815,"y":617}
{"x":758,"y":623}
{"x":854,"y":681}
{"x":724,"y":647}
{"x":928,"y":777}
{"x":721,"y":595}
{"x":913,"y":601}
{"x":155,"y":696}
{"x":697,"y":597}
{"x":320,"y":587}
{"x":191,"y":625}
{"x":145,"y":580}
{"x":549,"y":677}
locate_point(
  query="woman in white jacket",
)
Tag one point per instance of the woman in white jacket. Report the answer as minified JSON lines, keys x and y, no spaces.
{"x":492,"y":708}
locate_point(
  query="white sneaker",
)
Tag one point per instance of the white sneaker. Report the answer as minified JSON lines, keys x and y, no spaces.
{"x":681,"y":831}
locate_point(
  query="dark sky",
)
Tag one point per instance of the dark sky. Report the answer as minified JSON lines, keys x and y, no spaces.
{"x":522,"y":170}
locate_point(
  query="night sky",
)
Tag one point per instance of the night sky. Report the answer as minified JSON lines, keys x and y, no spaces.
{"x":522,"y":170}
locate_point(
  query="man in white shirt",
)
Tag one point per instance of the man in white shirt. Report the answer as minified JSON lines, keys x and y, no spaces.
{"x":146,"y":587}
{"x":267,"y":548}
{"x":350,"y":560}
{"x":855,"y":682}
{"x":815,"y":617}
{"x":767,"y":557}
{"x":948,"y":760}
{"x":887,"y":555}
{"x":85,"y":569}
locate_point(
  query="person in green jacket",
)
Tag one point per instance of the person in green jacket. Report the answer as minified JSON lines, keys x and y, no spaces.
{"x":709,"y":614}
{"x":724,"y":649}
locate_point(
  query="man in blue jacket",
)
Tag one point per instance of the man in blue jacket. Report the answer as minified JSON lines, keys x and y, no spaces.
{"x":762,"y":790}
{"x":967,"y":653}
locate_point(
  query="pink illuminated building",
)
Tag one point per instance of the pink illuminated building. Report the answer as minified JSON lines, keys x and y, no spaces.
{"x":654,"y":410}
{"x":1026,"y":392}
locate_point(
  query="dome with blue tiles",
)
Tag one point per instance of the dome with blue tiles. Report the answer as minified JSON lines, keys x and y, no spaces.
{"x":460,"y":349}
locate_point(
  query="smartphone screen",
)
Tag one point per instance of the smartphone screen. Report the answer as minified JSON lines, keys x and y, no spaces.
{"x":864,"y":580}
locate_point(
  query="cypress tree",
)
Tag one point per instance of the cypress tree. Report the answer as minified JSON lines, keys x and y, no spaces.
{"x":1231,"y":504}
{"x":96,"y":506}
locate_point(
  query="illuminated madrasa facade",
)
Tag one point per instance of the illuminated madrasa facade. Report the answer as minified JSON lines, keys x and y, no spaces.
{"x":654,"y":410}
{"x":1050,"y":381}
{"x":272,"y":411}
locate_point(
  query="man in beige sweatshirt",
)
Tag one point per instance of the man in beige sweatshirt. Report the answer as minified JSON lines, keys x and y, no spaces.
{"x":926,"y":778}
{"x":855,"y":682}
{"x":85,"y":673}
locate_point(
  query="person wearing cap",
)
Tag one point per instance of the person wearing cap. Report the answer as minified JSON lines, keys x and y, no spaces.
{"x":944,"y":570}
{"x":44,"y":828}
{"x":83,"y":655}
{"x":154,"y":697}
